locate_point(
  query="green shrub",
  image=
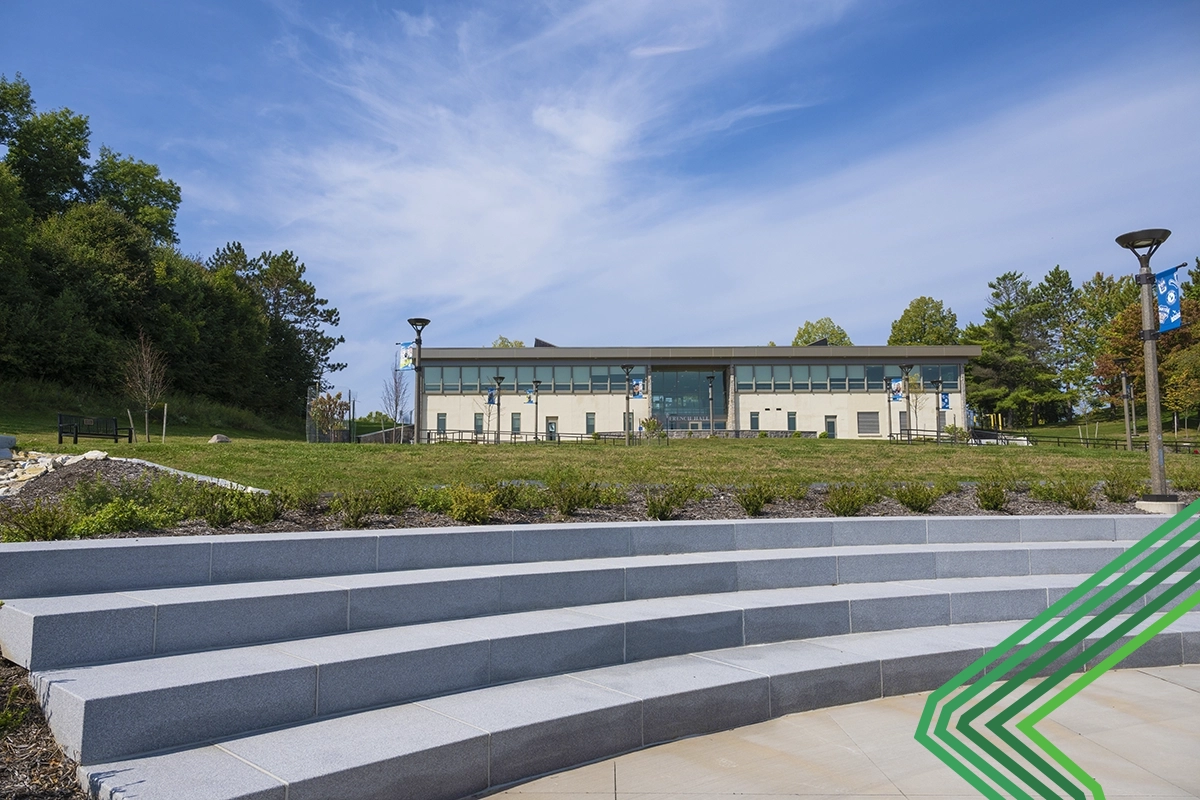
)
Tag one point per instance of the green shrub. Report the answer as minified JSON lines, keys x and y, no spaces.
{"x":254,"y":507}
{"x":393,"y":498}
{"x":752,"y":497}
{"x":305,"y":499}
{"x":613,"y":495}
{"x":792,"y":489}
{"x":993,"y":489}
{"x":433,"y":499}
{"x":916,"y":496}
{"x":568,"y":493}
{"x":123,"y":514}
{"x":90,"y":495}
{"x":40,"y":522}
{"x":848,"y":499}
{"x":517,"y":495}
{"x":470,"y":505}
{"x":1121,"y":483}
{"x":762,"y":434}
{"x":796,"y":435}
{"x":823,"y":435}
{"x":13,"y":714}
{"x":1074,"y":491}
{"x":1186,"y":479}
{"x":663,"y":501}
{"x":354,"y":506}
{"x":218,"y":511}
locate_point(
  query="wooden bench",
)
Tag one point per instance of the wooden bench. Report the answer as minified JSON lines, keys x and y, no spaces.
{"x":92,"y":428}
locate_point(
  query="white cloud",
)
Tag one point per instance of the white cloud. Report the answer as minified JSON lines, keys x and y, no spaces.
{"x":503,"y":183}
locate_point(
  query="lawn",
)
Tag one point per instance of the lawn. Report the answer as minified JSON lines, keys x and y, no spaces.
{"x":263,"y":459}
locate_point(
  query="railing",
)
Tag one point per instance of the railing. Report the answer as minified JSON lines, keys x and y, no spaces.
{"x":508,"y":437}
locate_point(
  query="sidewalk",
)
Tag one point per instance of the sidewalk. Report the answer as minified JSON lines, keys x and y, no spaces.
{"x":1137,"y":731}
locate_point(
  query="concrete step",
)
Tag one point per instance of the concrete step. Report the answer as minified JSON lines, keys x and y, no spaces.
{"x":120,"y":709}
{"x":54,"y":632}
{"x":463,"y":744}
{"x":44,"y":569}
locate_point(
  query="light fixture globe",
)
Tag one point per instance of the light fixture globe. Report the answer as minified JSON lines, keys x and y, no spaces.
{"x":1151,"y":237}
{"x":418,"y":323}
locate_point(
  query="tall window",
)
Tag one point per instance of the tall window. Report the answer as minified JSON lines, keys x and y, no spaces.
{"x":516,"y":422}
{"x":791,"y":420}
{"x":479,"y":423}
{"x":590,"y":421}
{"x":753,"y":420}
{"x":441,"y":423}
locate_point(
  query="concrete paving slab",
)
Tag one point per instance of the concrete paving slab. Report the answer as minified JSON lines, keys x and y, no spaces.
{"x":942,"y":530}
{"x":269,"y":556}
{"x":755,"y":534}
{"x":51,"y":632}
{"x":786,"y":572}
{"x":445,"y":547}
{"x":539,"y":643}
{"x":886,"y":530}
{"x":1064,"y":528}
{"x":886,"y":566}
{"x":682,"y":537}
{"x":554,"y":543}
{"x":676,"y":579}
{"x":561,"y":588}
{"x":43,"y":569}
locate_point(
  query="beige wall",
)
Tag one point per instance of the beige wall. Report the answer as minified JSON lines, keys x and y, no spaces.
{"x":571,"y":410}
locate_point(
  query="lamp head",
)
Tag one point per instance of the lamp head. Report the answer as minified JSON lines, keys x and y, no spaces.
{"x":536,"y":384}
{"x":499,"y":379}
{"x":1121,"y":362}
{"x":418,"y":324}
{"x":628,"y":368}
{"x":1148,"y":240}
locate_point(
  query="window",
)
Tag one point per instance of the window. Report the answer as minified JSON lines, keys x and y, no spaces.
{"x":831,"y":426}
{"x":581,"y":379}
{"x":949,"y":377}
{"x":509,"y":374}
{"x":929,"y":374}
{"x":516,"y":422}
{"x":745,"y":378}
{"x":855,"y":377}
{"x":599,"y":379}
{"x":903,"y":421}
{"x":479,"y":423}
{"x":450,"y":377}
{"x":590,"y":422}
{"x":837,"y":378}
{"x":791,"y":420}
{"x":783,"y":378}
{"x":470,"y":380}
{"x":441,"y":423}
{"x":819,"y":375}
{"x":562,"y":379}
{"x":753,"y":420}
{"x":433,"y":379}
{"x":524,"y":379}
{"x":546,"y":376}
{"x":800,"y":377}
{"x":875,"y":378}
{"x":868,"y":423}
{"x":762,"y":379}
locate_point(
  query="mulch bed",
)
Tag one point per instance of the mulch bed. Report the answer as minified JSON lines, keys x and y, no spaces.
{"x":33,"y":768}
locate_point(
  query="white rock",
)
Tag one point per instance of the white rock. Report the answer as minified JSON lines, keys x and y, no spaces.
{"x":219,"y":438}
{"x":72,"y":460}
{"x":95,"y":455}
{"x":34,"y":471}
{"x":61,"y":460}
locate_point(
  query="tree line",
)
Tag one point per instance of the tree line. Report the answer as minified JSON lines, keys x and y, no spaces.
{"x":91,"y":265}
{"x":1053,"y":350}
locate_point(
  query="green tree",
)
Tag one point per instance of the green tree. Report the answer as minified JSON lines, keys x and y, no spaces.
{"x":925,"y":322}
{"x":16,"y":105}
{"x":48,"y":152}
{"x":137,"y":189}
{"x":504,"y":341}
{"x":1100,"y":299}
{"x":1181,"y":387}
{"x":1191,"y":285}
{"x":824,"y":328}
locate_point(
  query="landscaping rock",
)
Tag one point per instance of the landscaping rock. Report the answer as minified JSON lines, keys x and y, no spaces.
{"x":7,"y":443}
{"x":220,"y":438}
{"x":95,"y":455}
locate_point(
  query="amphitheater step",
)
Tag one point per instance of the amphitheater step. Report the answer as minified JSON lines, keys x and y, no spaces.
{"x":459,"y":745}
{"x":55,"y":632}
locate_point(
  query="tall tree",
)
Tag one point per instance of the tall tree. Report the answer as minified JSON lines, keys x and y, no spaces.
{"x":925,"y":322}
{"x":824,"y":328}
{"x":504,"y":341}
{"x":48,"y":152}
{"x":138,"y":190}
{"x":1100,"y":298}
{"x":16,"y":105}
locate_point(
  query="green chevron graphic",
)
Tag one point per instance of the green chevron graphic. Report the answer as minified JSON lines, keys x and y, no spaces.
{"x":982,"y":722}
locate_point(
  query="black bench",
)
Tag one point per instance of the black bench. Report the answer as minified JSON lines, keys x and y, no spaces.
{"x":92,"y":428}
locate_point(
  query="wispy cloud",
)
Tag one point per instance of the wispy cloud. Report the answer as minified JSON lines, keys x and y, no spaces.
{"x":518,"y":177}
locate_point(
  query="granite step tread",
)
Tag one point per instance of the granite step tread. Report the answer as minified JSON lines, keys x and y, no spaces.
{"x":54,"y":632}
{"x":111,"y":710}
{"x":459,"y":745}
{"x":89,"y":566}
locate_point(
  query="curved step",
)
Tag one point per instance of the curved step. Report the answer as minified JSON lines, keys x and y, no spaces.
{"x":55,"y":632}
{"x":455,"y":746}
{"x":124,"y":708}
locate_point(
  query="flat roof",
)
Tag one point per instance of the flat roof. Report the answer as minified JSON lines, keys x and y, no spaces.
{"x":663,"y":355}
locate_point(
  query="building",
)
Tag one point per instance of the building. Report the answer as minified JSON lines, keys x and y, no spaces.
{"x":580,"y":391}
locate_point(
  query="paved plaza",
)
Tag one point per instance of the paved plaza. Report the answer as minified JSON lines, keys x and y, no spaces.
{"x":1137,"y":731}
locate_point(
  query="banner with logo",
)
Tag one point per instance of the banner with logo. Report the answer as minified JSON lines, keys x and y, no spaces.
{"x":637,"y":390}
{"x":529,"y":397}
{"x":945,"y":401}
{"x":406,"y":356}
{"x":897,"y":390}
{"x":1170,"y":316}
{"x":491,"y":396}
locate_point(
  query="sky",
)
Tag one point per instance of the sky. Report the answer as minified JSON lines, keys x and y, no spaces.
{"x":658,"y":173}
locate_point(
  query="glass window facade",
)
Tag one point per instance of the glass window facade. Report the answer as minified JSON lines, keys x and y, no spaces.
{"x":679,"y":396}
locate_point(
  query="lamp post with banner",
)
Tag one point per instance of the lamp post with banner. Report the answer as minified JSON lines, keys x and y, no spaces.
{"x":937,"y":409}
{"x":905,"y":369}
{"x":536,"y":384}
{"x":418,"y":325}
{"x":712,"y":431}
{"x":499,"y":379}
{"x":1144,"y":244}
{"x":627,"y":423}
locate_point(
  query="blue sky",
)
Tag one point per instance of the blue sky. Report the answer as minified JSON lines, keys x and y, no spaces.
{"x":642,"y":173}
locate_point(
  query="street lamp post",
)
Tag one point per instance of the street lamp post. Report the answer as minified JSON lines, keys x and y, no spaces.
{"x":1143,"y":244}
{"x":536,"y":384}
{"x":1122,"y":362}
{"x":711,"y":425}
{"x":627,"y":423}
{"x":937,"y":409}
{"x":905,"y":369}
{"x":499,"y":379}
{"x":418,"y":325}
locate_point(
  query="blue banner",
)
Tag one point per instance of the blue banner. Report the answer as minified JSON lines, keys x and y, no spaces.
{"x":1169,"y":314}
{"x":405,"y":357}
{"x":529,"y":397}
{"x":491,"y":396}
{"x":945,"y":401}
{"x":897,"y":389}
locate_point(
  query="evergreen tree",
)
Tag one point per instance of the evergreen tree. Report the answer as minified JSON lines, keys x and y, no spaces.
{"x":925,"y":322}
